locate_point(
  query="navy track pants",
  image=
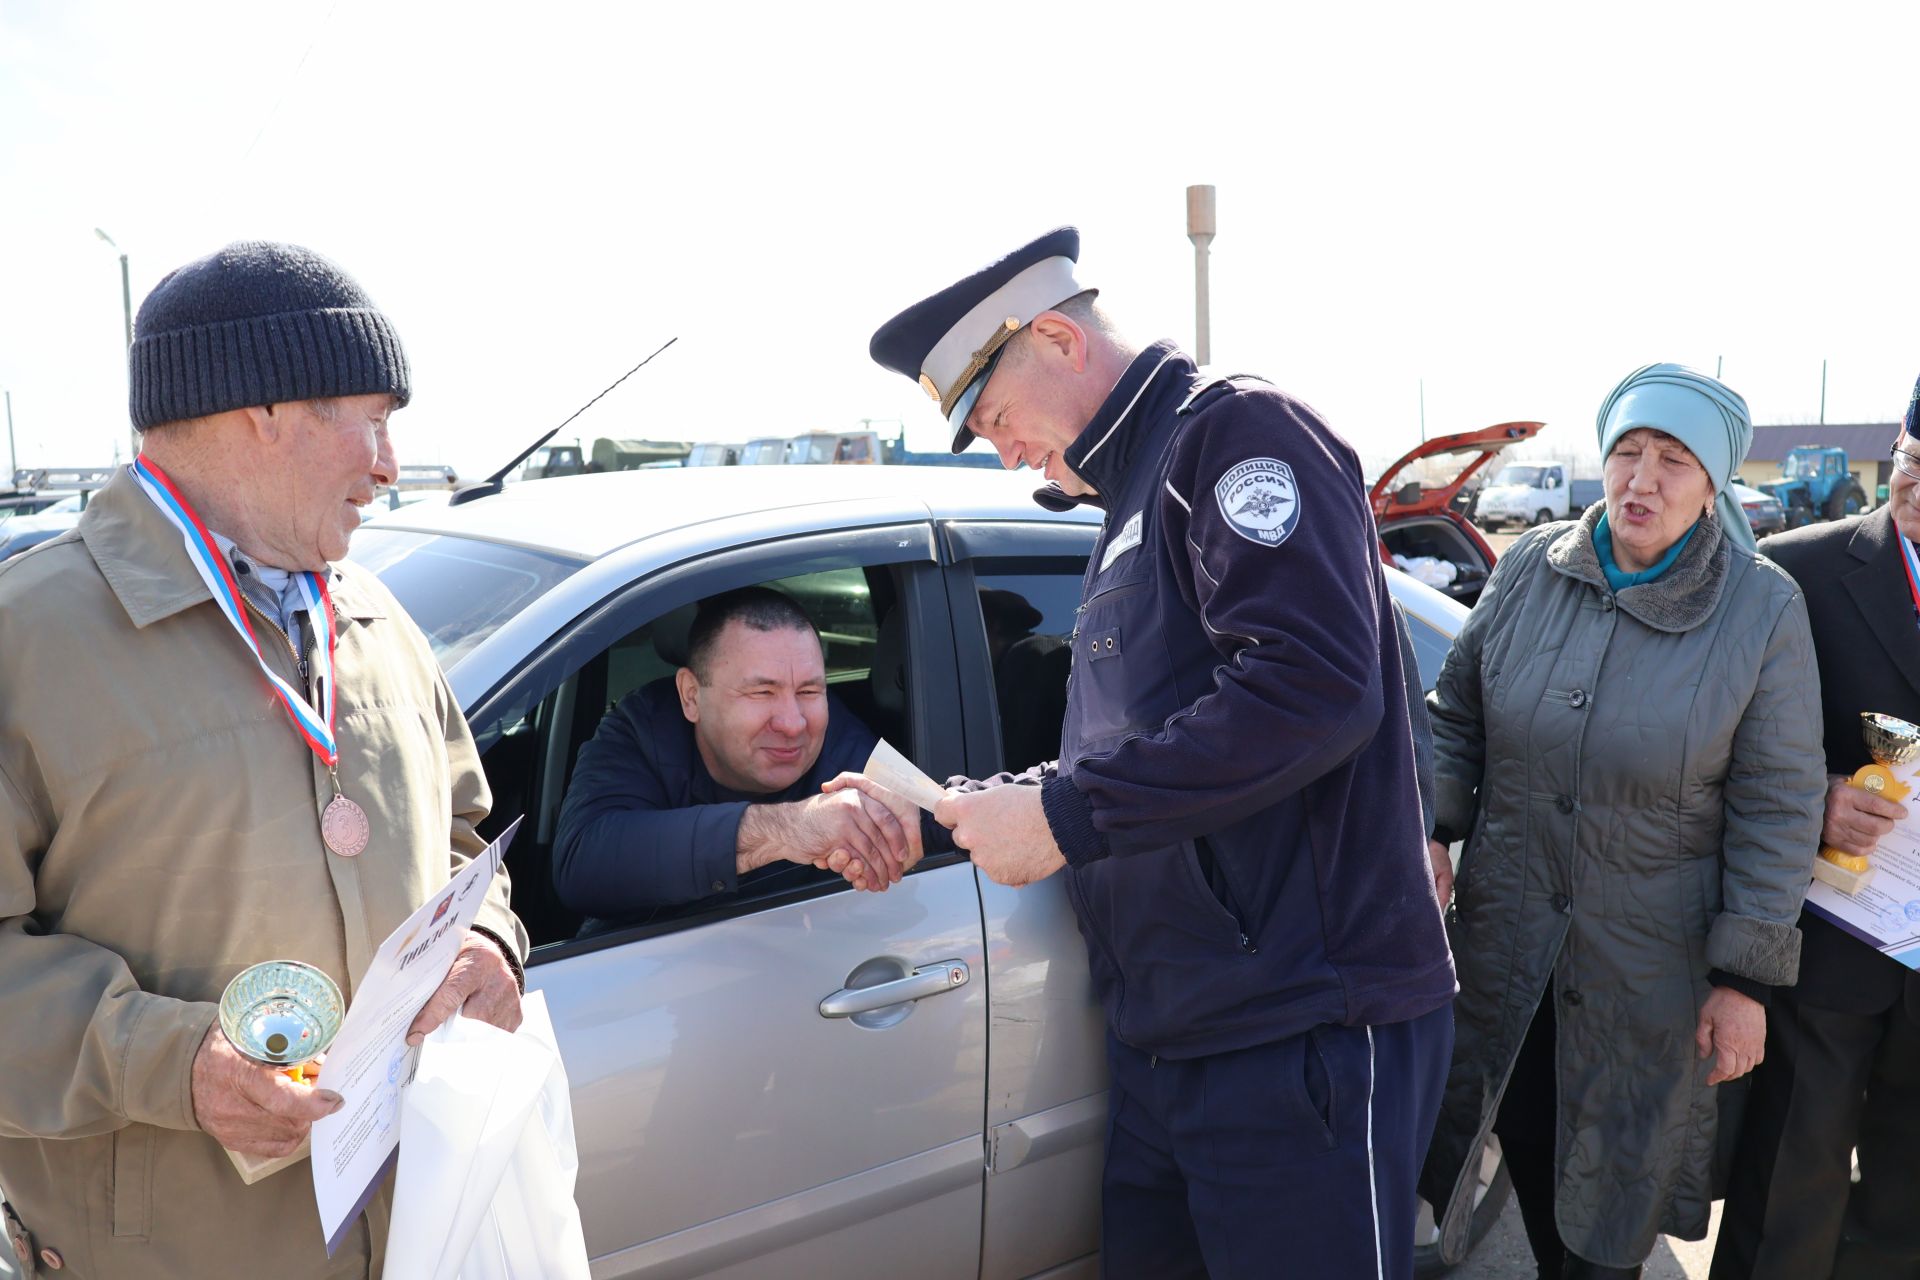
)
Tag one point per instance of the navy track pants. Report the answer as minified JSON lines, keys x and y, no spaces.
{"x":1291,"y":1159}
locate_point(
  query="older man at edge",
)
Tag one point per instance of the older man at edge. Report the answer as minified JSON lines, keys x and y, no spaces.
{"x":218,"y":746}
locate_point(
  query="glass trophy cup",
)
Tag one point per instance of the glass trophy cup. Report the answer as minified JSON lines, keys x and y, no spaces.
{"x":1891,"y":742}
{"x":282,"y":1013}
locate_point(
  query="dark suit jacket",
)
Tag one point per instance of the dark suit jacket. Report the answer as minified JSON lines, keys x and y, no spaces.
{"x":1867,"y":645}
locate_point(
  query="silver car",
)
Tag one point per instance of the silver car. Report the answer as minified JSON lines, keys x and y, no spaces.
{"x":810,"y":1081}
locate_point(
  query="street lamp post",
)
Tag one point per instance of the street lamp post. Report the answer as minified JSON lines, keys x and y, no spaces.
{"x":1200,"y":228}
{"x":126,"y":312}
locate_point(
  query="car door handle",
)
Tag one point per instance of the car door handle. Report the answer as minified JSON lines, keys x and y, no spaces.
{"x":927,"y":980}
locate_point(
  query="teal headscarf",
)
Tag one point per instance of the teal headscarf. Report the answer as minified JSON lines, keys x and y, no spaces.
{"x":1700,"y":412}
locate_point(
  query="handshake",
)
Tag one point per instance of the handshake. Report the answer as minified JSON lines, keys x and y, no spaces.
{"x":866,"y":827}
{"x":856,"y":828}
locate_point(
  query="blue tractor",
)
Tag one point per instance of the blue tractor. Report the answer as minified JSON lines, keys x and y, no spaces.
{"x":1815,"y":484}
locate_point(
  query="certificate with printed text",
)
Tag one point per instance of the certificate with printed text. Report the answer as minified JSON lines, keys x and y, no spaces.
{"x":1885,"y":914}
{"x":370,"y":1063}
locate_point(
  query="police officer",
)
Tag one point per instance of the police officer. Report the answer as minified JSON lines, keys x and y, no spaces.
{"x":1235,"y":805}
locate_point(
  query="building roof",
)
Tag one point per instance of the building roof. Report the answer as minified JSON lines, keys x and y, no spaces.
{"x":1859,"y":439}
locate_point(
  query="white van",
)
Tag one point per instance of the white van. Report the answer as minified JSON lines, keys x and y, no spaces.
{"x":1524,"y":493}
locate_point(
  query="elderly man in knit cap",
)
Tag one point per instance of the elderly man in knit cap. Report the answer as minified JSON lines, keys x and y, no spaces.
{"x":218,"y":746}
{"x":1843,"y":1044}
{"x":1625,"y":731}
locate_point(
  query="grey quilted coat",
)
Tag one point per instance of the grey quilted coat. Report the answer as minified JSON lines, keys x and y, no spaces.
{"x":1643,"y":778}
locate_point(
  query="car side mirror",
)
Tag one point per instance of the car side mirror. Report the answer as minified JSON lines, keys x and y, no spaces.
{"x":1408,"y":494}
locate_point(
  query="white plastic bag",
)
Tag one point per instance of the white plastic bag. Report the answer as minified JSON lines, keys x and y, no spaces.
{"x":1431,"y":570}
{"x":487,"y":1163}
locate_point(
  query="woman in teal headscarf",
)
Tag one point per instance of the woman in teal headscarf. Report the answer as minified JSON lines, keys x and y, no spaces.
{"x":1709,"y":423}
{"x":1627,"y":732}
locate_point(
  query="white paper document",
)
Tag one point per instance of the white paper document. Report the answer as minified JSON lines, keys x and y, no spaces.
{"x":370,"y":1061}
{"x":1885,"y":914}
{"x":901,"y":776}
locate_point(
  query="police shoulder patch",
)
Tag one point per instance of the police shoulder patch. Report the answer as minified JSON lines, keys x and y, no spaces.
{"x":1260,"y":500}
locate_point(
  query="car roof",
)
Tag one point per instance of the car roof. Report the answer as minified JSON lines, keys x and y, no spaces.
{"x":590,"y":515}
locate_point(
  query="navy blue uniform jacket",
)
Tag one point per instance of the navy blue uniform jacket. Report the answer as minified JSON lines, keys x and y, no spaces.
{"x":645,"y":825}
{"x":1236,"y":793}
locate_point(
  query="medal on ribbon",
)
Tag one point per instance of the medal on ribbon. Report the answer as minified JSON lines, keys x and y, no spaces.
{"x":343,"y":824}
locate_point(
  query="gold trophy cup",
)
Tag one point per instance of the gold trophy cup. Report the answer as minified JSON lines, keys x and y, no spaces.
{"x":1891,"y":742}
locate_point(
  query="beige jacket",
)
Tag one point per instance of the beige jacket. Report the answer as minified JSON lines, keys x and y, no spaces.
{"x":159,"y":831}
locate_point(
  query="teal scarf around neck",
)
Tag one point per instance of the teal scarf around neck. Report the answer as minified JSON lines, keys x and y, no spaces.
{"x":1619,"y":579}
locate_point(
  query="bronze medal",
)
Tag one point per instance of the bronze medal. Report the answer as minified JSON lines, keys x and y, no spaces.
{"x":344,"y":826}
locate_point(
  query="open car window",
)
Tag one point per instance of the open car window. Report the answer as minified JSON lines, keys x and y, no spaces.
{"x":869,"y":606}
{"x":1028,"y":608}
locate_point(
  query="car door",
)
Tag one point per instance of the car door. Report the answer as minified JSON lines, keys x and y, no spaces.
{"x":1013,"y":588}
{"x":784,"y":1086}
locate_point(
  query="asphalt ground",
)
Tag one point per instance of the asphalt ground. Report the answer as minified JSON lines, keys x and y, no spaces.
{"x":1504,"y":1255}
{"x":1501,"y":541}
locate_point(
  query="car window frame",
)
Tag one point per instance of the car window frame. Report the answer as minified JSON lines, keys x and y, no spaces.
{"x":932,"y":686}
{"x":963,"y":542}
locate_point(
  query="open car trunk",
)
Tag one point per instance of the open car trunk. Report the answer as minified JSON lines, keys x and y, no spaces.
{"x":1419,"y":543}
{"x":1422,"y":529}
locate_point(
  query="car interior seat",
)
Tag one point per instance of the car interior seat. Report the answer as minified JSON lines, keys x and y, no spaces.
{"x":1031,"y":686}
{"x":669,"y":633}
{"x":887,"y":682}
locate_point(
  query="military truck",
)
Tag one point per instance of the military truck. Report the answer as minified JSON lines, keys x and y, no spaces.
{"x":608,"y":455}
{"x":631,"y":455}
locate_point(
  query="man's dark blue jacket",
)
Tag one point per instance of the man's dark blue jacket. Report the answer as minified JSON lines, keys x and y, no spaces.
{"x":645,"y":825}
{"x":1236,"y":795}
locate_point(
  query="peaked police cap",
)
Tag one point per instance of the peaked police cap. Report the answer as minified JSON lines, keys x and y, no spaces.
{"x":948,"y":343}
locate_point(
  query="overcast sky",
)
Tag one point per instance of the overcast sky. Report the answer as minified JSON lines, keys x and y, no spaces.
{"x":1513,"y":203}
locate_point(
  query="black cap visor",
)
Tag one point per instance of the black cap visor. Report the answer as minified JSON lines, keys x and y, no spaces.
{"x":964,"y":402}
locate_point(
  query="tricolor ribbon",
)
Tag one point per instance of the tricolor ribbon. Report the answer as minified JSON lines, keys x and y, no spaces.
{"x":1912,"y":565}
{"x":314,"y":725}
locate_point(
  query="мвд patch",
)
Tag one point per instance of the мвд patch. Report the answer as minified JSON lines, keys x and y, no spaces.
{"x":1260,"y":500}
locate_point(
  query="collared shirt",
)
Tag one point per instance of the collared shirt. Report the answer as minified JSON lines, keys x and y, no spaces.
{"x":270,"y":590}
{"x":1910,"y":570}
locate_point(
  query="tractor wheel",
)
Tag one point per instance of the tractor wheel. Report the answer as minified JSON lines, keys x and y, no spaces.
{"x":1842,"y":503}
{"x":1799,"y":511}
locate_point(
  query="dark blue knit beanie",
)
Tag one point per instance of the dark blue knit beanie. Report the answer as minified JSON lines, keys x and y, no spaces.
{"x":1913,"y":412}
{"x":258,"y":323}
